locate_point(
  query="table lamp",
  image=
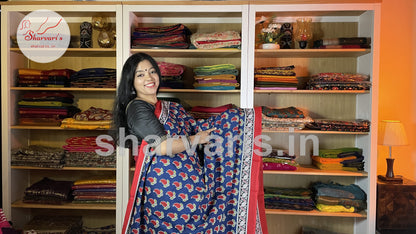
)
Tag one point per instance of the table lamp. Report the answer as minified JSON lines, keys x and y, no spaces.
{"x":392,"y":134}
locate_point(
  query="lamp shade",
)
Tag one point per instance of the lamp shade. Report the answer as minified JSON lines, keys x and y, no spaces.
{"x":392,"y":133}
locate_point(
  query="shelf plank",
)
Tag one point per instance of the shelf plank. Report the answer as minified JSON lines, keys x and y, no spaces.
{"x":311,"y":53}
{"x":83,"y":52}
{"x":64,"y":89}
{"x":311,"y":170}
{"x":66,"y":206}
{"x":65,"y":168}
{"x":162,"y":90}
{"x":191,"y":53}
{"x":315,"y":213}
{"x":315,"y":132}
{"x":301,"y":91}
{"x":28,"y":127}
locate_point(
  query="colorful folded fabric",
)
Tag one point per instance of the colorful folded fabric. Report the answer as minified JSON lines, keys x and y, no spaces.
{"x":71,"y":123}
{"x":48,"y":191}
{"x":339,"y":81}
{"x":216,"y":40}
{"x":170,"y":36}
{"x":357,"y":125}
{"x":288,"y":198}
{"x":334,"y":208}
{"x":94,"y":113}
{"x":44,"y":78}
{"x":38,"y":156}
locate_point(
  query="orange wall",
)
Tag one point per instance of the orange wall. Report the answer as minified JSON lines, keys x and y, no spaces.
{"x":397,"y":96}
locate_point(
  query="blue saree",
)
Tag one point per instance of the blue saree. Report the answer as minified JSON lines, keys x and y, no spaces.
{"x":180,"y":194}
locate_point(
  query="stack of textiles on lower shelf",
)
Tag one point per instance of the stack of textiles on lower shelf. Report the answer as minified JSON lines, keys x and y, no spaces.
{"x":279,"y":160}
{"x":288,"y":198}
{"x":172,"y":75}
{"x":274,"y":78}
{"x":283,"y":118}
{"x":216,"y":40}
{"x":49,"y":191}
{"x":109,"y":229}
{"x":54,"y":224}
{"x":343,"y":43}
{"x":216,"y":77}
{"x":339,"y":81}
{"x":38,"y":156}
{"x":205,"y":112}
{"x":311,"y":230}
{"x":81,"y":152}
{"x":334,"y":197}
{"x":171,"y":36}
{"x":46,"y":108}
{"x":357,"y":125}
{"x":347,"y":159}
{"x":93,"y":118}
{"x":101,"y":190}
{"x":94,"y":78}
{"x":55,"y":78}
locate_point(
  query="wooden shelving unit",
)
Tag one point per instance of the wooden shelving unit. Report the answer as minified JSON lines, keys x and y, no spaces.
{"x":308,"y":170}
{"x":351,"y":18}
{"x":67,"y":206}
{"x":315,"y":213}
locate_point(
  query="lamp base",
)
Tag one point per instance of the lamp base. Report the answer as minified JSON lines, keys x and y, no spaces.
{"x":394,"y":180}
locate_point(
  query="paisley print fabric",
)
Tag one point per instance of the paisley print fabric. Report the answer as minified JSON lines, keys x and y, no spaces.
{"x":181,"y":194}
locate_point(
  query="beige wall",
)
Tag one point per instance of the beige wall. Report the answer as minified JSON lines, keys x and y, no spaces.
{"x":397,"y":98}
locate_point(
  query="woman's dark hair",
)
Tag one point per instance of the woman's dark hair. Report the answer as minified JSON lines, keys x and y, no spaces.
{"x":126,"y":91}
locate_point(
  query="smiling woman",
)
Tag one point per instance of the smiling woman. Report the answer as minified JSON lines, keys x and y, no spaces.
{"x":175,"y":188}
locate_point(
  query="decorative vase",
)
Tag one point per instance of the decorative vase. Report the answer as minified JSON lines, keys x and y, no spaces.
{"x":270,"y":46}
{"x":303,"y":32}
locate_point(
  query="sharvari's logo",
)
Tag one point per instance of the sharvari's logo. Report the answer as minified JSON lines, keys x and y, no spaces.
{"x":43,"y":36}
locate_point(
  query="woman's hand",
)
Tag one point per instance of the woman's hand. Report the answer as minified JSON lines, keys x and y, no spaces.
{"x":201,"y":137}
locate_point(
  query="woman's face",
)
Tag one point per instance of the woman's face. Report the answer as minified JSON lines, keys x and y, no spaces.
{"x":146,"y":79}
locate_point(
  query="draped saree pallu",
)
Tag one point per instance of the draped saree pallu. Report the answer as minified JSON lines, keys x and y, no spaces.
{"x":181,"y":194}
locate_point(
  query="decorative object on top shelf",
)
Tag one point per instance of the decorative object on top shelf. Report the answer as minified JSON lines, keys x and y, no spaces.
{"x":303,"y":31}
{"x":85,"y":35}
{"x":269,"y":36}
{"x":100,"y":23}
{"x":392,"y":134}
{"x":287,"y":37}
{"x":105,"y":37}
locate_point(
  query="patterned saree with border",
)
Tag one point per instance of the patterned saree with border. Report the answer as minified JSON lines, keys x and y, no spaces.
{"x":223,"y":193}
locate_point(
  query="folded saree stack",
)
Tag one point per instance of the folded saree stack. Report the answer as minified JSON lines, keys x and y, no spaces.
{"x":102,"y":190}
{"x":38,"y":156}
{"x":358,"y":125}
{"x":288,"y":198}
{"x":172,"y":75}
{"x":339,"y":81}
{"x":94,"y":78}
{"x":270,"y":78}
{"x":48,"y":191}
{"x":279,"y":160}
{"x":283,"y":118}
{"x":56,"y":78}
{"x":54,"y":224}
{"x":46,"y":108}
{"x":81,"y":152}
{"x":205,"y":112}
{"x":215,"y":40}
{"x":334,"y":197}
{"x":216,"y":77}
{"x":347,"y":159}
{"x":171,"y":36}
{"x":93,"y":118}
